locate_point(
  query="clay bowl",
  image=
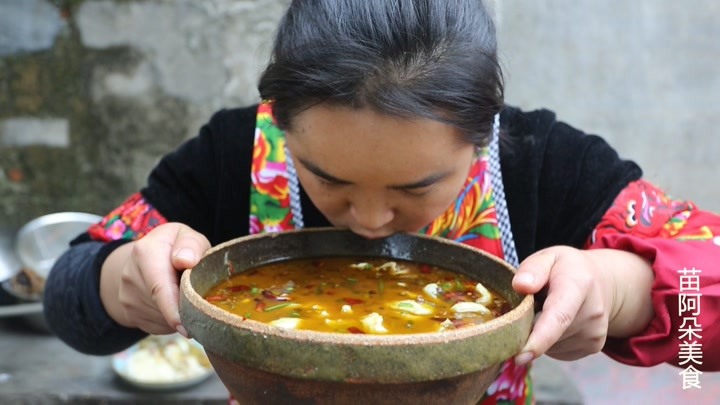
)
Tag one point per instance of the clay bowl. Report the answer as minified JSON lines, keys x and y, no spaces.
{"x":262,"y":364}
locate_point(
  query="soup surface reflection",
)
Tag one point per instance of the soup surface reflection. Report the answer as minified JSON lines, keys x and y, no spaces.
{"x":351,"y":295}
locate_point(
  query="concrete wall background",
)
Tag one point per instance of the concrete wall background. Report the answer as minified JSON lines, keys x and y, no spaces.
{"x":93,"y":92}
{"x":643,"y":74}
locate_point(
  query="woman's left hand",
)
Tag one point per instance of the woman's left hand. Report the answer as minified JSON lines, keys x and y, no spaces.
{"x":581,"y":299}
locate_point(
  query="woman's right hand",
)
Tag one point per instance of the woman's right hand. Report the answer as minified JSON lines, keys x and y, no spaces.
{"x":139,"y":281}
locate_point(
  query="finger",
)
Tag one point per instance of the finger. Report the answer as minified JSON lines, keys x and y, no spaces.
{"x":565,"y":297}
{"x":154,"y":325}
{"x":188,"y":248}
{"x":576,"y":347}
{"x":534,"y":272}
{"x":165,"y":292}
{"x":569,"y":355}
{"x":152,"y":254}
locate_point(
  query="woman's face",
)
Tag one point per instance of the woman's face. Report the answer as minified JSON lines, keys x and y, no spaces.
{"x":377,"y":174}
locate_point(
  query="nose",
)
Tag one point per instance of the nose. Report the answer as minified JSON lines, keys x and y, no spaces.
{"x":371,"y":218}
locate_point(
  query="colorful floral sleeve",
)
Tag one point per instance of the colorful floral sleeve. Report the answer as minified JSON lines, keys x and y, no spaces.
{"x":131,"y":220}
{"x":683,"y":245}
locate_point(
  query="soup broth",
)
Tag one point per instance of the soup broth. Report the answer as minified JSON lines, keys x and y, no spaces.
{"x":350,"y":295}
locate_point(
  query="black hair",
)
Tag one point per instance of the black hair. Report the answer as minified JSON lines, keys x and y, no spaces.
{"x":435,"y":59}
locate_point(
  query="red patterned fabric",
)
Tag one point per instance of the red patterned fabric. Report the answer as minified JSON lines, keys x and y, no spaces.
{"x":131,"y":220}
{"x":683,"y":245}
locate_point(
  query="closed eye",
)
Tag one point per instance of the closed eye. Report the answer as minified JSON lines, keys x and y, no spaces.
{"x":422,"y":187}
{"x":330,"y":182}
{"x":415,"y":192}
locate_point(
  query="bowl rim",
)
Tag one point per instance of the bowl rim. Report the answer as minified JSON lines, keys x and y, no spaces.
{"x":427,"y":338}
{"x":58,"y":218}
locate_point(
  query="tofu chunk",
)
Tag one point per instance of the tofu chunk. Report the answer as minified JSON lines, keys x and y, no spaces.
{"x":286,"y":323}
{"x":412,"y":307}
{"x":485,"y":296}
{"x":373,"y":323}
{"x":465,"y":307}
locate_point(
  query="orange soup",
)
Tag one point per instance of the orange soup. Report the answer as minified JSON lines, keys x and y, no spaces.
{"x":350,"y":295}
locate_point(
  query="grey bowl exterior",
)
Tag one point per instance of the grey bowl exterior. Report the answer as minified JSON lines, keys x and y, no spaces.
{"x":352,"y":357}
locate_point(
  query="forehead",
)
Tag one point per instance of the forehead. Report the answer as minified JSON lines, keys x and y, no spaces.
{"x":363,"y":126}
{"x":350,"y":143}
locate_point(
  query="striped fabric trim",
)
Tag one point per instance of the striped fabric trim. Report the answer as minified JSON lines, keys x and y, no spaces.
{"x":294,"y":186}
{"x":503,"y":217}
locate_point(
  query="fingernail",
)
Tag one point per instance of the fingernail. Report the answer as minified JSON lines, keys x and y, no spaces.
{"x":181,"y":330}
{"x":524,"y":358}
{"x":185,"y":254}
{"x":525,"y":278}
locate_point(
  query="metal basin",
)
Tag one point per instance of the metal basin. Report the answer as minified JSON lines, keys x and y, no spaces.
{"x":35,"y":247}
{"x":9,"y":263}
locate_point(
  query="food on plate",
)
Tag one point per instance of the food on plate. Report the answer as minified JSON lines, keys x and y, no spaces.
{"x":162,"y":359}
{"x":358,"y":295}
{"x":27,"y":284}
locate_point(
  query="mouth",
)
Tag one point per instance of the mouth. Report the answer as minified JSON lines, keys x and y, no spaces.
{"x":379,"y":234}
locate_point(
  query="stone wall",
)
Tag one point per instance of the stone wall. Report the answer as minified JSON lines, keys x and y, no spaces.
{"x":93,"y":92}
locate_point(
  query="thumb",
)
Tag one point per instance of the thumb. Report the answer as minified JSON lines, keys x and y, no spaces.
{"x":531,"y":278}
{"x":188,"y":248}
{"x":534,"y":272}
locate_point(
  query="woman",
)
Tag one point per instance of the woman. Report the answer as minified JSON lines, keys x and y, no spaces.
{"x":388,"y":116}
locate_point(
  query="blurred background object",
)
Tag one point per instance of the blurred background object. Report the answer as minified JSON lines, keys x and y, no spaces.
{"x":33,"y":251}
{"x":41,"y":241}
{"x":163,"y":363}
{"x":9,"y":263}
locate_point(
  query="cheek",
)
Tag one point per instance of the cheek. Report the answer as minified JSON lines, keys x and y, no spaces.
{"x":329,"y":203}
{"x":424,"y":211}
{"x":415,"y":214}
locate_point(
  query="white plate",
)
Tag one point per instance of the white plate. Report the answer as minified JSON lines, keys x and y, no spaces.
{"x":122,"y":367}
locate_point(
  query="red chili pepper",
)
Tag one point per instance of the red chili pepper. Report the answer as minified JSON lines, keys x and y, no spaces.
{"x":457,"y":323}
{"x":260,"y":306}
{"x":453,"y":296}
{"x":353,"y":329}
{"x":239,"y":288}
{"x":215,"y":298}
{"x":425,"y":268}
{"x":353,"y":301}
{"x":269,"y":295}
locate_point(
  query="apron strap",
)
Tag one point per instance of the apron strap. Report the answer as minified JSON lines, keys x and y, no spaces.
{"x":503,"y":217}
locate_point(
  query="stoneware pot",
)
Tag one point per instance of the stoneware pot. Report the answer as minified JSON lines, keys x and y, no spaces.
{"x":262,"y":364}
